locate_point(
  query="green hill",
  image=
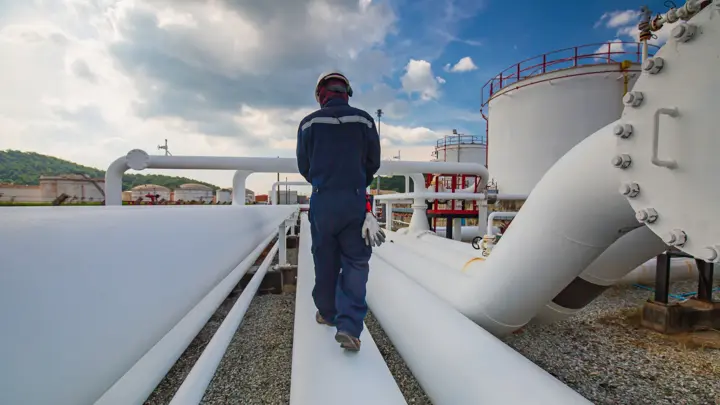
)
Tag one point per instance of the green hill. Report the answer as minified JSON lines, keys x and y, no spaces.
{"x":27,"y":167}
{"x":395,"y":183}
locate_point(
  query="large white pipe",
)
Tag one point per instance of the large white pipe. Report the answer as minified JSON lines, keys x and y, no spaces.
{"x":630,"y":251}
{"x":430,"y":196}
{"x":137,"y":159}
{"x":138,"y":383}
{"x":455,"y":361}
{"x":322,"y":373}
{"x":106,"y":288}
{"x":193,"y":388}
{"x":508,"y":292}
{"x":273,"y":189}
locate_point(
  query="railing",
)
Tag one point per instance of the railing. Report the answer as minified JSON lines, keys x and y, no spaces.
{"x":601,"y":53}
{"x":450,"y":140}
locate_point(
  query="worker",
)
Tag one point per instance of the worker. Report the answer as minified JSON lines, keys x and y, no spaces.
{"x":338,"y":153}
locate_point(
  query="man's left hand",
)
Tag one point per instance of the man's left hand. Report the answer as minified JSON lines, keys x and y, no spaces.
{"x":371,"y":231}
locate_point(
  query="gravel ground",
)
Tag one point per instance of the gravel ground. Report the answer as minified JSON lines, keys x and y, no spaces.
{"x":604,"y":355}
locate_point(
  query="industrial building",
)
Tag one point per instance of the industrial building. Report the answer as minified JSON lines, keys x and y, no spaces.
{"x":193,"y":192}
{"x":77,"y":188}
{"x":223,"y":196}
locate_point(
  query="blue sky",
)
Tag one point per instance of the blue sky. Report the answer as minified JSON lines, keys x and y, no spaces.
{"x":89,"y":80}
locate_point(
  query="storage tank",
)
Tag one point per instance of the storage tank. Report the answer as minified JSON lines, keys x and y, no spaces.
{"x":143,"y":190}
{"x":74,"y":185}
{"x":194,"y":192}
{"x":560,"y":98}
{"x":223,"y":195}
{"x":461,"y":148}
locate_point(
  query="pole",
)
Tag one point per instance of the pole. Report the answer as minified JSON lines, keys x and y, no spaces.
{"x":379,"y":113}
{"x":277,"y":191}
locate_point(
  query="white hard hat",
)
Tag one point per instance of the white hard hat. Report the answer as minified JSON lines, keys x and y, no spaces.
{"x":334,"y":74}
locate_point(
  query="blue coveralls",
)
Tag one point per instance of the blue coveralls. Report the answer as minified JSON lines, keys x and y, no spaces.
{"x":338,"y":152}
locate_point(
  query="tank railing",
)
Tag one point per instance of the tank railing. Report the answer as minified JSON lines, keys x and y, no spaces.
{"x":557,"y":60}
{"x":461,"y":140}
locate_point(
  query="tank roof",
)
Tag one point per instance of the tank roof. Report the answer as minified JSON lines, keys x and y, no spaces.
{"x":149,"y":187}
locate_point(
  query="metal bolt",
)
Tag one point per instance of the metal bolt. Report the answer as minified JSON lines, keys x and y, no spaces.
{"x":623,"y":131}
{"x":676,"y":237}
{"x":653,"y":65}
{"x":683,"y":32}
{"x":622,"y":161}
{"x":710,"y":254}
{"x":648,"y":215}
{"x":630,"y":190}
{"x":633,"y":98}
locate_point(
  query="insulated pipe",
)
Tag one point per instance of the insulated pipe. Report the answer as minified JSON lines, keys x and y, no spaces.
{"x":495,"y":214}
{"x":455,"y":361}
{"x":192,"y":390}
{"x":432,"y":196}
{"x":628,"y":252}
{"x":139,"y":382}
{"x":152,"y":291}
{"x":238,"y":193}
{"x":322,"y":373}
{"x":138,"y":159}
{"x":273,"y":189}
{"x":506,"y":292}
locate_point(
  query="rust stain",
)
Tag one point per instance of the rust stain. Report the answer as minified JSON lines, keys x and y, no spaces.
{"x":464,"y":269}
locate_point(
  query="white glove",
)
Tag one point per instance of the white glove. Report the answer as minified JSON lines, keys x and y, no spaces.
{"x":371,"y":231}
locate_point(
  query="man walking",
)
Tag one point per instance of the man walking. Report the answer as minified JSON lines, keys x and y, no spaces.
{"x":338,"y":153}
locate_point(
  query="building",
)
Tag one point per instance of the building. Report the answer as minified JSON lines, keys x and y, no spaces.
{"x":249,"y":196}
{"x":144,"y":192}
{"x":286,"y":196}
{"x":223,"y":196}
{"x":18,"y":193}
{"x":76,"y":186}
{"x":262,"y":199}
{"x":194,"y":192}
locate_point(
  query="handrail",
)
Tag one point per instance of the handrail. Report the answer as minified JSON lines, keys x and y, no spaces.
{"x":556,"y":60}
{"x":450,"y":140}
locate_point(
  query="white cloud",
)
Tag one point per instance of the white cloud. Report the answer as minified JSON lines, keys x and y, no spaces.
{"x":614,"y":19}
{"x":440,"y":80}
{"x":614,"y":46}
{"x":419,"y":78}
{"x":465,"y":64}
{"x":88,"y":81}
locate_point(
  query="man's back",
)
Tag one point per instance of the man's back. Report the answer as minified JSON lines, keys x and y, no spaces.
{"x":338,"y":147}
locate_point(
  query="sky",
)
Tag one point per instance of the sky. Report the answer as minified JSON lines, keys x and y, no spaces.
{"x":89,"y":80}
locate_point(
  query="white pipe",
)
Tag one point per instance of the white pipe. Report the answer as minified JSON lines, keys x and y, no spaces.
{"x":628,"y":252}
{"x":563,"y":242}
{"x":322,"y":373}
{"x":139,"y":382}
{"x":388,"y":215}
{"x":455,"y":361}
{"x":457,"y":229}
{"x":193,"y":388}
{"x":273,"y":189}
{"x":282,"y":241}
{"x":495,"y":214}
{"x":100,"y":292}
{"x":238,"y":193}
{"x":138,"y":159}
{"x":430,"y":196}
{"x":469,"y":232}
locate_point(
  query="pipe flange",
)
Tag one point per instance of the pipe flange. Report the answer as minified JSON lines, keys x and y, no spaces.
{"x":684,"y":139}
{"x":138,"y":159}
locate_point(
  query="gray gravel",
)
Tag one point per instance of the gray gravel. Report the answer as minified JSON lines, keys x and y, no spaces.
{"x":604,"y":355}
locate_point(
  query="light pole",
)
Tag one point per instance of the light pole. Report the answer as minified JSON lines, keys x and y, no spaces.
{"x":379,"y":114}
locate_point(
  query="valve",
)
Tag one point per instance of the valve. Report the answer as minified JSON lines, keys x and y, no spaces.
{"x":633,"y":98}
{"x":653,"y":65}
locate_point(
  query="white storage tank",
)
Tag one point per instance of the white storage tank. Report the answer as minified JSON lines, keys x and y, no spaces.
{"x":142,"y":191}
{"x":461,"y":148}
{"x":194,"y":192}
{"x":534,"y":121}
{"x":223,"y":195}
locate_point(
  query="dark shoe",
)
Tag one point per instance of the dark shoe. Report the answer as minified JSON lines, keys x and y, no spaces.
{"x":319,"y":319}
{"x":347,"y":341}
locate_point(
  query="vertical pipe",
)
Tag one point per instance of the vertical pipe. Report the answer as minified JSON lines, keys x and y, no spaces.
{"x":388,"y":215}
{"x":238,"y":193}
{"x":662,"y":278}
{"x":282,"y":243}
